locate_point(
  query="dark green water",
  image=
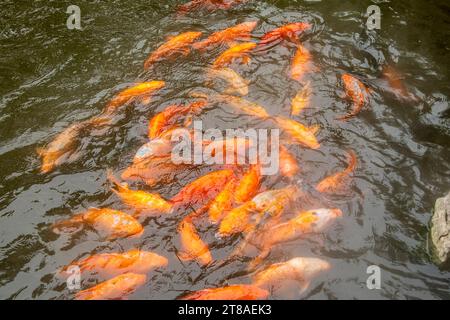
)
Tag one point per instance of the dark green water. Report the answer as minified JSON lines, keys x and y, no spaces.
{"x":51,"y":77}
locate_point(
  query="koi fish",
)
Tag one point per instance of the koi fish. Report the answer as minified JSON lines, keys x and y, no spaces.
{"x":248,"y":186}
{"x":298,"y":132}
{"x":312,"y":221}
{"x":169,"y":117}
{"x":335,"y":182}
{"x":137,"y":91}
{"x":301,"y":63}
{"x":113,"y":223}
{"x":395,"y":81}
{"x":228,"y":36}
{"x":203,"y":190}
{"x":192,"y":246}
{"x":222,"y":203}
{"x":209,"y":5}
{"x":114,"y":264}
{"x":271,"y":203}
{"x":179,"y":44}
{"x":154,"y":148}
{"x":242,"y":105}
{"x":299,"y":269}
{"x":233,"y":292}
{"x":237,"y":84}
{"x":357,"y":92}
{"x":301,"y":100}
{"x":238,"y":51}
{"x":288,"y":164}
{"x":287,"y":32}
{"x":140,"y":200}
{"x":116,"y":288}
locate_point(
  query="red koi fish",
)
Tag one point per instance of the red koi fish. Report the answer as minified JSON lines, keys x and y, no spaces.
{"x":336,"y":182}
{"x":234,"y":292}
{"x":287,"y":32}
{"x":301,"y":63}
{"x":357,"y":92}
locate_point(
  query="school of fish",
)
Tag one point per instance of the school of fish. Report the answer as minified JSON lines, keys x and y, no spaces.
{"x":234,"y":199}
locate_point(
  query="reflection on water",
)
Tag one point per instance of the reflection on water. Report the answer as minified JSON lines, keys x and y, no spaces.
{"x":52,"y":77}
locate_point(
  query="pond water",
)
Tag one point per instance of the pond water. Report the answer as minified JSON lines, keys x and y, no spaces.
{"x":52,"y":77}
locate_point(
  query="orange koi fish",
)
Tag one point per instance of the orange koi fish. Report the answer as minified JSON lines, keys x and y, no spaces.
{"x":114,"y":264}
{"x":299,"y":269}
{"x":237,"y":84}
{"x":114,"y":289}
{"x":357,"y":92}
{"x":287,"y":32}
{"x":192,"y":246}
{"x":228,"y":36}
{"x":301,"y":63}
{"x":113,"y":223}
{"x":233,"y":292}
{"x":138,"y":91}
{"x":249,"y":185}
{"x":301,"y":100}
{"x":312,"y":221}
{"x":242,"y":105}
{"x":271,"y":203}
{"x":203,"y":190}
{"x":288,"y":164}
{"x":337,"y":181}
{"x":170,"y":116}
{"x":238,"y":51}
{"x":140,"y":200}
{"x":222,"y":203}
{"x":298,"y":133}
{"x":395,"y":81}
{"x":179,"y":44}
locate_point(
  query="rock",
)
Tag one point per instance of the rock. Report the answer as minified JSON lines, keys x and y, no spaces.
{"x":440,"y":230}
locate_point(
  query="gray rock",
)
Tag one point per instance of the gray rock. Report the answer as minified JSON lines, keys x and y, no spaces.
{"x":440,"y":229}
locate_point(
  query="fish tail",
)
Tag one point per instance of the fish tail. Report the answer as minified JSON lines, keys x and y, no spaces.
{"x":69,"y":226}
{"x":257,"y":261}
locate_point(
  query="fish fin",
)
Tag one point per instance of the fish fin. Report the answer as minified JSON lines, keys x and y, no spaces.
{"x":66,"y":226}
{"x":246,"y":59}
{"x":118,"y":186}
{"x":257,"y":261}
{"x":314,"y":129}
{"x":303,"y":287}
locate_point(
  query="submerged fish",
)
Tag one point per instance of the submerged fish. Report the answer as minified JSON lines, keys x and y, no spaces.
{"x":357,"y":92}
{"x":138,"y":91}
{"x":298,"y":269}
{"x":233,"y":292}
{"x":134,"y":260}
{"x":179,"y":44}
{"x":395,"y":80}
{"x":228,"y":36}
{"x":111,"y":223}
{"x":287,"y":32}
{"x":299,"y":134}
{"x":312,"y":221}
{"x":288,"y":164}
{"x":236,"y":83}
{"x":242,"y":105}
{"x":116,"y":288}
{"x":222,"y":203}
{"x":149,"y":203}
{"x":301,"y":63}
{"x":192,"y":246}
{"x":209,"y":5}
{"x":249,"y":185}
{"x":337,"y":181}
{"x":301,"y":100}
{"x":238,"y":51}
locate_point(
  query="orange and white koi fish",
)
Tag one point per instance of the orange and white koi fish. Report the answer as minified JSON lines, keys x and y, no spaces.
{"x":201,"y":191}
{"x":288,"y":164}
{"x":337,"y":181}
{"x":140,"y":200}
{"x":312,"y":221}
{"x":233,"y":292}
{"x":301,"y":63}
{"x":238,"y":51}
{"x":357,"y":92}
{"x":114,"y":289}
{"x":222,"y":203}
{"x":111,"y":223}
{"x":237,"y":84}
{"x":170,"y":116}
{"x":113,"y":264}
{"x":301,"y":100}
{"x":192,"y":246}
{"x":140,"y":90}
{"x":249,"y":185}
{"x":179,"y":44}
{"x":271,"y":202}
{"x":302,"y":270}
{"x":228,"y":36}
{"x":287,"y":32}
{"x":299,"y":133}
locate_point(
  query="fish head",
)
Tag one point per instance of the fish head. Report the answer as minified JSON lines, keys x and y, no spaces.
{"x":324,"y":217}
